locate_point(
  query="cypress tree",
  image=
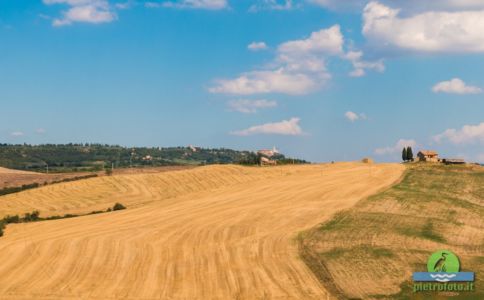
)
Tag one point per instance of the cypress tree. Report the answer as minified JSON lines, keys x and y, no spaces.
{"x":409,"y":153}
{"x":404,"y":154}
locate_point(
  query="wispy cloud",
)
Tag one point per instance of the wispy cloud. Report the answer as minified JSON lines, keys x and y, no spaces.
{"x":86,"y":11}
{"x":455,"y":86}
{"x":396,"y":148}
{"x":191,"y":4}
{"x":40,"y":131}
{"x":286,"y":127}
{"x":247,"y":106}
{"x":257,"y":46}
{"x":271,"y":5}
{"x":17,"y":134}
{"x":352,"y":116}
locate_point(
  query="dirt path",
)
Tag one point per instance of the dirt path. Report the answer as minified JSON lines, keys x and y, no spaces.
{"x":234,"y":240}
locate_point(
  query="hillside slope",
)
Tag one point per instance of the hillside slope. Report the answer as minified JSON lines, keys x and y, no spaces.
{"x":370,"y":251}
{"x":219,"y":232}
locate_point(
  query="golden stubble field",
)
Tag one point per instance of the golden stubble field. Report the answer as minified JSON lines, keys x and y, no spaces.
{"x":16,"y":178}
{"x":216,"y":232}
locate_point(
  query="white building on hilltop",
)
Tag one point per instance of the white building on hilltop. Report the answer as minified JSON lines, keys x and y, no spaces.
{"x":268,"y":153}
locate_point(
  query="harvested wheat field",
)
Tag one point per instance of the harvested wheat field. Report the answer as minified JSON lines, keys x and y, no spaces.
{"x":17,"y":178}
{"x":216,"y":232}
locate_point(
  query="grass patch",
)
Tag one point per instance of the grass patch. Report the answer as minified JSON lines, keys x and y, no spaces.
{"x":358,"y":251}
{"x":428,"y":232}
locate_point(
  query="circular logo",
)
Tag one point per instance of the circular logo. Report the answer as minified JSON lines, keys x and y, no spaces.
{"x":443,"y":261}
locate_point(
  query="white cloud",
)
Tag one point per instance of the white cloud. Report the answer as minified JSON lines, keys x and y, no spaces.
{"x":86,"y":11}
{"x":286,"y":127}
{"x":396,"y":148}
{"x":324,"y":41}
{"x":195,"y":4}
{"x":480,"y":158}
{"x":455,"y":86}
{"x":40,"y":130}
{"x":17,"y":134}
{"x":260,"y":82}
{"x":272,"y":5}
{"x":250,"y":106}
{"x":409,"y":6}
{"x":360,"y":66}
{"x":467,"y":134}
{"x":256,"y":46}
{"x":431,"y":31}
{"x":125,"y":5}
{"x":298,"y":68}
{"x":338,"y":4}
{"x":352,"y":116}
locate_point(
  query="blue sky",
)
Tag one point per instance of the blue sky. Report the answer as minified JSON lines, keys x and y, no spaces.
{"x":315,"y":78}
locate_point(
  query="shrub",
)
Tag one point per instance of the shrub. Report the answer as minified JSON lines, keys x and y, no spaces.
{"x":35,"y":215}
{"x":27,"y":217}
{"x":11,"y":219}
{"x":118,"y":206}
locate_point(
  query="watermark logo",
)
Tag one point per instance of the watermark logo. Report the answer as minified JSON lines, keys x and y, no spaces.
{"x":443,"y":274}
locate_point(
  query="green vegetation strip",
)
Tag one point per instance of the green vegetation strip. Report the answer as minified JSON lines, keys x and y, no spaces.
{"x":96,"y":157}
{"x":35,"y":217}
{"x":386,"y":237}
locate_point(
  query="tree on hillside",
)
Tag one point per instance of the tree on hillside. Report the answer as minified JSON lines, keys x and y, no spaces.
{"x":409,"y":153}
{"x":404,"y":154}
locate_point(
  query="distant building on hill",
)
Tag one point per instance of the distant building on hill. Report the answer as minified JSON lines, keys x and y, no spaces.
{"x":453,"y":161}
{"x":428,"y":156}
{"x":268,"y":153}
{"x":267,"y":161}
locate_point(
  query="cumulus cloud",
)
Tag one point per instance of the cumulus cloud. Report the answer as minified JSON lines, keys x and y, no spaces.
{"x":16,"y":134}
{"x":40,"y":130}
{"x":194,"y":4}
{"x":431,"y":31}
{"x":273,"y":81}
{"x":85,"y":11}
{"x":247,"y":106}
{"x":352,"y":116}
{"x":286,"y":127}
{"x":467,"y":134}
{"x":455,"y":86}
{"x":298,"y":68}
{"x":409,"y":6}
{"x":325,"y":41}
{"x":257,"y":46}
{"x":401,"y":143}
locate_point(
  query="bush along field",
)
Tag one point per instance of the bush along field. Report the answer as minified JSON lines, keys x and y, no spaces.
{"x":35,"y":217}
{"x":371,"y":251}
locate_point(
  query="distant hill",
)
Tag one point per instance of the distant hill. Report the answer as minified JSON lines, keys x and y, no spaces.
{"x":95,"y":157}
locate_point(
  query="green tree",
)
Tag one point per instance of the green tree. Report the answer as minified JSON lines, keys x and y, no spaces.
{"x":409,"y":153}
{"x":404,"y":154}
